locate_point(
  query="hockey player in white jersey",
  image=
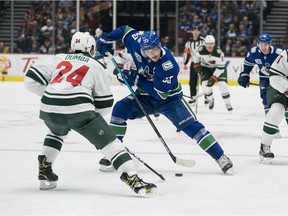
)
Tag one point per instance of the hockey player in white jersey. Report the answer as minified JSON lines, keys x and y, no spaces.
{"x":71,"y":86}
{"x":210,"y":63}
{"x":277,"y":98}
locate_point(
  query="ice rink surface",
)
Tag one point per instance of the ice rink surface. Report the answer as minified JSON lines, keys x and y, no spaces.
{"x":255,"y":189}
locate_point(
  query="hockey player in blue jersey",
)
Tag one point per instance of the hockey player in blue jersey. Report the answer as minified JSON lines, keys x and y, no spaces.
{"x":263,"y":55}
{"x":158,"y":90}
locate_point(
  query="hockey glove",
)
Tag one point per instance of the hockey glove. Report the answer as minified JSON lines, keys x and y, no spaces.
{"x":212,"y":81}
{"x":198,"y":69}
{"x":104,"y":45}
{"x":244,"y":79}
{"x":130,"y":76}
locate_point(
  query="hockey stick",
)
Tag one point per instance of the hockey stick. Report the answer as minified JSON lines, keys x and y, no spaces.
{"x":256,"y":84}
{"x":145,"y":164}
{"x":179,"y":161}
{"x":197,"y":93}
{"x":196,"y":96}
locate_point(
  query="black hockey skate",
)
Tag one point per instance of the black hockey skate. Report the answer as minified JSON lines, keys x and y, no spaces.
{"x":48,"y":179}
{"x":226,"y":165}
{"x":105,"y":165}
{"x":266,"y":155}
{"x":192,"y":101}
{"x":138,"y":185}
{"x":229,"y":107}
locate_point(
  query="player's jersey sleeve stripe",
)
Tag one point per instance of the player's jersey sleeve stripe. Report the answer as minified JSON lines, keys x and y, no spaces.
{"x":249,"y":63}
{"x":170,"y":93}
{"x":101,"y":102}
{"x":34,"y":74}
{"x":273,"y":72}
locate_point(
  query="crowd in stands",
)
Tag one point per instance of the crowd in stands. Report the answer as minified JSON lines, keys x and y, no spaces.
{"x":239,"y":24}
{"x":36,"y":35}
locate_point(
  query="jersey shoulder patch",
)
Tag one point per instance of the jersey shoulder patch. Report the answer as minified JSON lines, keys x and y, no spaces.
{"x":253,"y":49}
{"x":167,"y":65}
{"x":219,"y":51}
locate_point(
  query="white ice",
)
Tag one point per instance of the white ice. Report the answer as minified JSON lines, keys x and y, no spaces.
{"x":255,"y":189}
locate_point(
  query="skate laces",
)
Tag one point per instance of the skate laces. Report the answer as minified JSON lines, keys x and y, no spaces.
{"x":134,"y":181}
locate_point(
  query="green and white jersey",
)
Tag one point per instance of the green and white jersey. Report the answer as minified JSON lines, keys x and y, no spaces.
{"x":73,"y":83}
{"x":215,"y":59}
{"x":279,"y":72}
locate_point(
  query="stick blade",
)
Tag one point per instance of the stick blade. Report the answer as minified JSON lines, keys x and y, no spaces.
{"x":185,"y":162}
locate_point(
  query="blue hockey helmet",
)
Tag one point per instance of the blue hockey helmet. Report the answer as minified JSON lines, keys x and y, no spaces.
{"x":264,"y":37}
{"x":149,"y":40}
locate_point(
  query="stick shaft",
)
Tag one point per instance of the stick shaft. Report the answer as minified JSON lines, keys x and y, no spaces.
{"x":145,"y":164}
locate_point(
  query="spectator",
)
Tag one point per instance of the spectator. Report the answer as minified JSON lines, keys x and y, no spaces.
{"x":3,"y":49}
{"x":61,"y":45}
{"x":234,"y":52}
{"x":34,"y":48}
{"x":231,"y":33}
{"x":228,"y":47}
{"x":46,"y":47}
{"x":166,"y":42}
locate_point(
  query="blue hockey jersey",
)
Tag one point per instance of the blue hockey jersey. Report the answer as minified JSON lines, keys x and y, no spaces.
{"x":161,"y":80}
{"x":255,"y":56}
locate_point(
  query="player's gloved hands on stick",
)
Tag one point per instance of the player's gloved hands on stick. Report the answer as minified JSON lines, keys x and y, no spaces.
{"x":130,"y":76}
{"x":104,"y":45}
{"x":212,"y":81}
{"x":244,"y":79}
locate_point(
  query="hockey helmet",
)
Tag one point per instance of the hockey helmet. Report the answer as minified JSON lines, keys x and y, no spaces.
{"x":209,"y":39}
{"x":265,"y":37}
{"x":83,"y":42}
{"x":149,"y":40}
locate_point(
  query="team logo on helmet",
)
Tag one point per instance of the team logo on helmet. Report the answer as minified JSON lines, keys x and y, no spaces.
{"x":149,"y":40}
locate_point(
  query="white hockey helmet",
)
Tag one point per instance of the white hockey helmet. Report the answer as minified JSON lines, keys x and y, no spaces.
{"x":83,"y":42}
{"x":209,"y":39}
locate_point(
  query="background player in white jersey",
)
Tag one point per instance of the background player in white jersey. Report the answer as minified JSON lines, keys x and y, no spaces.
{"x":190,"y":54}
{"x":72,"y":85}
{"x":210,"y":63}
{"x":277,"y":98}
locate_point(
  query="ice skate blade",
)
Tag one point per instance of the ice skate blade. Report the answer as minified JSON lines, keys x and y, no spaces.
{"x":47,"y":185}
{"x":264,"y":160}
{"x":106,"y":168}
{"x":278,"y":135}
{"x":150,"y":192}
{"x":230,"y":172}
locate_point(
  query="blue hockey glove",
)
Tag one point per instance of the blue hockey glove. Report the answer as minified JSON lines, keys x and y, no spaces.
{"x":244,"y":79}
{"x":212,"y":81}
{"x":104,"y":45}
{"x":130,"y":76}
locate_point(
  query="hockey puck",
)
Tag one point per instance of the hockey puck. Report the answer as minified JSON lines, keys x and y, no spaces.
{"x":178,"y":174}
